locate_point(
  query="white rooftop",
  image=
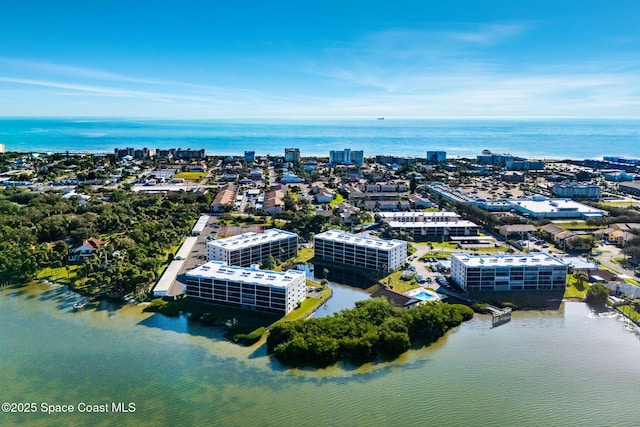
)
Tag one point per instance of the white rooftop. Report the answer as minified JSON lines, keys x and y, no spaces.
{"x":438,"y":224}
{"x":167,"y":280}
{"x":540,"y":205}
{"x":251,"y":239}
{"x":360,"y":240}
{"x":185,"y":249}
{"x":202,"y":223}
{"x":219,"y":270}
{"x":537,"y":259}
{"x":426,"y":215}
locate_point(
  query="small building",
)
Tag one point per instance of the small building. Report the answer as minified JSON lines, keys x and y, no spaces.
{"x":512,"y":177}
{"x":324,"y":195}
{"x":290,"y":178}
{"x":396,"y":299}
{"x":223,"y":201}
{"x":85,"y":249}
{"x":274,"y":200}
{"x":200,"y":225}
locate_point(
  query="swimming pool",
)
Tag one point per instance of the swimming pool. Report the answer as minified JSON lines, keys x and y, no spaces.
{"x":423,"y":295}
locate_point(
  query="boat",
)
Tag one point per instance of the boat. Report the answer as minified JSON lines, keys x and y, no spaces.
{"x":380,"y":118}
{"x":80,"y":304}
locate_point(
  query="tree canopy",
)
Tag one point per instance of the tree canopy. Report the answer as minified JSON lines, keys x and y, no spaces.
{"x":597,"y":294}
{"x":374,"y":329}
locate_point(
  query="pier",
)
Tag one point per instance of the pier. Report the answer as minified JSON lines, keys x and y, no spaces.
{"x":499,"y":316}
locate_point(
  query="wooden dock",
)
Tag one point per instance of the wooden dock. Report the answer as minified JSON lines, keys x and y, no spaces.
{"x":499,"y":316}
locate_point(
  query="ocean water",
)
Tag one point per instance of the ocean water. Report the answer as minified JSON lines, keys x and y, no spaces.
{"x":534,"y":138}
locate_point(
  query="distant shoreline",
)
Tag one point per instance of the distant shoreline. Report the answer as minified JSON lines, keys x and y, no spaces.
{"x":537,"y":138}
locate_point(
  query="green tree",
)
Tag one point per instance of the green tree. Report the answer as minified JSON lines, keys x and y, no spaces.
{"x":597,"y":294}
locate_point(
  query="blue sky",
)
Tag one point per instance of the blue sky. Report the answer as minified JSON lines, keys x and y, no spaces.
{"x":213,"y":59}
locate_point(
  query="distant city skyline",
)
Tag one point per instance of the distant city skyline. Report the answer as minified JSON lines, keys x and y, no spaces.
{"x":200,"y":59}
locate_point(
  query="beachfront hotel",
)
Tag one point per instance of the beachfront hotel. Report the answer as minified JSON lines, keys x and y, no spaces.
{"x":252,"y":248}
{"x":247,"y":288}
{"x":537,"y":271}
{"x":360,"y":251}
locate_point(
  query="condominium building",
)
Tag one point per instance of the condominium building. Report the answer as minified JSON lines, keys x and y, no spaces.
{"x":573,"y":190}
{"x":252,"y":248}
{"x":430,"y":225}
{"x":292,"y":155}
{"x":436,"y":156}
{"x":537,"y":271}
{"x":346,"y":157}
{"x":247,"y":288}
{"x":360,"y":251}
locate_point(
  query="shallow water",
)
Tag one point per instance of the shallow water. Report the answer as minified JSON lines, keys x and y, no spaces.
{"x":569,"y":367}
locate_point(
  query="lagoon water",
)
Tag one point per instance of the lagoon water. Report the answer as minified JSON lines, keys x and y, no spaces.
{"x":561,"y":368}
{"x":538,"y":138}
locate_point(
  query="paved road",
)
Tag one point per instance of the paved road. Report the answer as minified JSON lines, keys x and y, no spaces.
{"x":609,"y":252}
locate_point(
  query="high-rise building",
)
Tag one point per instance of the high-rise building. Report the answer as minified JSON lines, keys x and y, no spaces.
{"x":292,"y":155}
{"x":436,"y":157}
{"x":346,"y":157}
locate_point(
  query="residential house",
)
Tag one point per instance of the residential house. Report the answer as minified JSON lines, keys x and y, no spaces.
{"x":85,"y":249}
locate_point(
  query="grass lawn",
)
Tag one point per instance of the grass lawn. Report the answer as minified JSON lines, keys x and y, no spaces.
{"x":304,"y":255}
{"x":575,"y":225}
{"x":397,"y":284}
{"x":575,"y":290}
{"x":191,"y":176}
{"x":307,"y":306}
{"x":630,"y":312}
{"x":59,"y":274}
{"x":337,"y":200}
{"x":620,"y":203}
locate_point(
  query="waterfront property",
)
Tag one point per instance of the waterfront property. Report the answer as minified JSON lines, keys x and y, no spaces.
{"x":247,"y":288}
{"x":360,"y":251}
{"x":397,"y":299}
{"x":84,"y":250}
{"x":292,"y":155}
{"x":346,"y":157}
{"x":508,"y":272}
{"x":252,"y":248}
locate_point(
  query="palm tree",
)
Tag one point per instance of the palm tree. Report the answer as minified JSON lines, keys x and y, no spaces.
{"x":581,"y":277}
